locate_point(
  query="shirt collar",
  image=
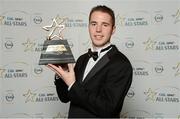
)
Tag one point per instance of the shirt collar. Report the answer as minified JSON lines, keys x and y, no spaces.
{"x":98,"y":49}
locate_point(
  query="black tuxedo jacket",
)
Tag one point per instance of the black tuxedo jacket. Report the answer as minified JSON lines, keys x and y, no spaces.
{"x":102,"y":92}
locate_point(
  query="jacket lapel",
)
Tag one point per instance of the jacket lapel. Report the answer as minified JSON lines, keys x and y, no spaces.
{"x":82,"y":69}
{"x":100,"y":64}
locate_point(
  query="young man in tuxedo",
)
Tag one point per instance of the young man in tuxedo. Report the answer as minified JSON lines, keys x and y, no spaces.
{"x":97,"y":85}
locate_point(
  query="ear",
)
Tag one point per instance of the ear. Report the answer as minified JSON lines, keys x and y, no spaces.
{"x":113,"y":30}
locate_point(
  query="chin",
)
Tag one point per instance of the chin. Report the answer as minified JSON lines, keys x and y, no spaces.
{"x":98,"y":45}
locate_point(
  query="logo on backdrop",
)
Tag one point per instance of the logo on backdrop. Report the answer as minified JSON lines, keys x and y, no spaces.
{"x":164,"y":94}
{"x":32,"y":45}
{"x":159,"y":69}
{"x":38,"y":47}
{"x":14,"y":18}
{"x":151,"y":95}
{"x":9,"y":97}
{"x":176,"y":16}
{"x":136,"y":114}
{"x":177,"y":69}
{"x":1,"y":20}
{"x":136,"y":18}
{"x":130,"y":93}
{"x":150,"y":44}
{"x":29,"y":45}
{"x":15,"y":70}
{"x":75,"y":20}
{"x":125,"y":43}
{"x":158,"y":18}
{"x":167,"y":42}
{"x":38,"y":70}
{"x":60,"y":115}
{"x":2,"y":71}
{"x":30,"y":96}
{"x":37,"y":19}
{"x":44,"y":94}
{"x":141,"y":68}
{"x":129,"y":44}
{"x":8,"y":44}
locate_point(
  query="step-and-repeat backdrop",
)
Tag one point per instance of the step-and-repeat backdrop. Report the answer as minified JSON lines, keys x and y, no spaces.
{"x":148,"y":33}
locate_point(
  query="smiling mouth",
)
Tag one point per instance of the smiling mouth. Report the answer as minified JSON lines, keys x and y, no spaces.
{"x":98,"y":36}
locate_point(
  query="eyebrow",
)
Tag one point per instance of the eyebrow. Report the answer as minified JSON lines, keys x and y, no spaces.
{"x":102,"y":22}
{"x":92,"y":22}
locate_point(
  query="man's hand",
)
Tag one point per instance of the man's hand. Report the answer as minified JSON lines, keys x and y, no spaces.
{"x":66,"y":72}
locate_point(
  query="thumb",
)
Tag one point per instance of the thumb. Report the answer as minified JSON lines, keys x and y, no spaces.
{"x":70,"y":67}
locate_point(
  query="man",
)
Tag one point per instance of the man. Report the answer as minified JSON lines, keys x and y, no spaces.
{"x":96,"y":87}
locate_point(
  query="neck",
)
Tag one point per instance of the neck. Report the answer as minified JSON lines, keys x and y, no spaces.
{"x":96,"y":48}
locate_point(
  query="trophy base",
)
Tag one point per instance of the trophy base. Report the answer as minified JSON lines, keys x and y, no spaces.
{"x":56,"y":52}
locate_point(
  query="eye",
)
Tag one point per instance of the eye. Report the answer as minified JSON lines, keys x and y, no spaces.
{"x":93,"y":24}
{"x":105,"y":24}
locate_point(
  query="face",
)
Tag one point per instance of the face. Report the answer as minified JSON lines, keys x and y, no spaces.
{"x":100,"y":28}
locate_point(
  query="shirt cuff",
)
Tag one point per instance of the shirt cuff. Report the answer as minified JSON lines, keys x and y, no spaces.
{"x":70,"y":86}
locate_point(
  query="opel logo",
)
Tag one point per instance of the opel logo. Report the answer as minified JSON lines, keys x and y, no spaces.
{"x":9,"y":44}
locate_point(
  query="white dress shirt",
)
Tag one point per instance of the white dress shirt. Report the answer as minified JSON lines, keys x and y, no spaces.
{"x":91,"y":62}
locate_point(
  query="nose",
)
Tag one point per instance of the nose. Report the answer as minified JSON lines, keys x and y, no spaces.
{"x":98,"y":28}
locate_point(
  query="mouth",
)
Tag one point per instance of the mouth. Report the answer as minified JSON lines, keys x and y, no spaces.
{"x":99,"y":36}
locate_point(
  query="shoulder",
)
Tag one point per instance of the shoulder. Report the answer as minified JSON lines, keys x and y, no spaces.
{"x":115,"y":54}
{"x":82,"y":57}
{"x":118,"y":58}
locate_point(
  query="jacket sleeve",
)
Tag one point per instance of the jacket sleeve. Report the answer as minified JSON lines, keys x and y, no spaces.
{"x":62,"y":89}
{"x":109,"y":100}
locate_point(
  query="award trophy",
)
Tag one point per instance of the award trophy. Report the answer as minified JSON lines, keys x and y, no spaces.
{"x":56,"y":50}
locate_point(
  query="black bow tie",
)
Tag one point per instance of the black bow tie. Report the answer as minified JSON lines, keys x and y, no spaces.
{"x":94,"y":55}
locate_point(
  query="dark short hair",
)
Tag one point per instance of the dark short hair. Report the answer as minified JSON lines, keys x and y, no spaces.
{"x":104,"y":9}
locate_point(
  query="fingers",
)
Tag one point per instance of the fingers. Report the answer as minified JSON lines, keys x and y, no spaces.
{"x":66,"y":74}
{"x":57,"y":70}
{"x":70,"y":67}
